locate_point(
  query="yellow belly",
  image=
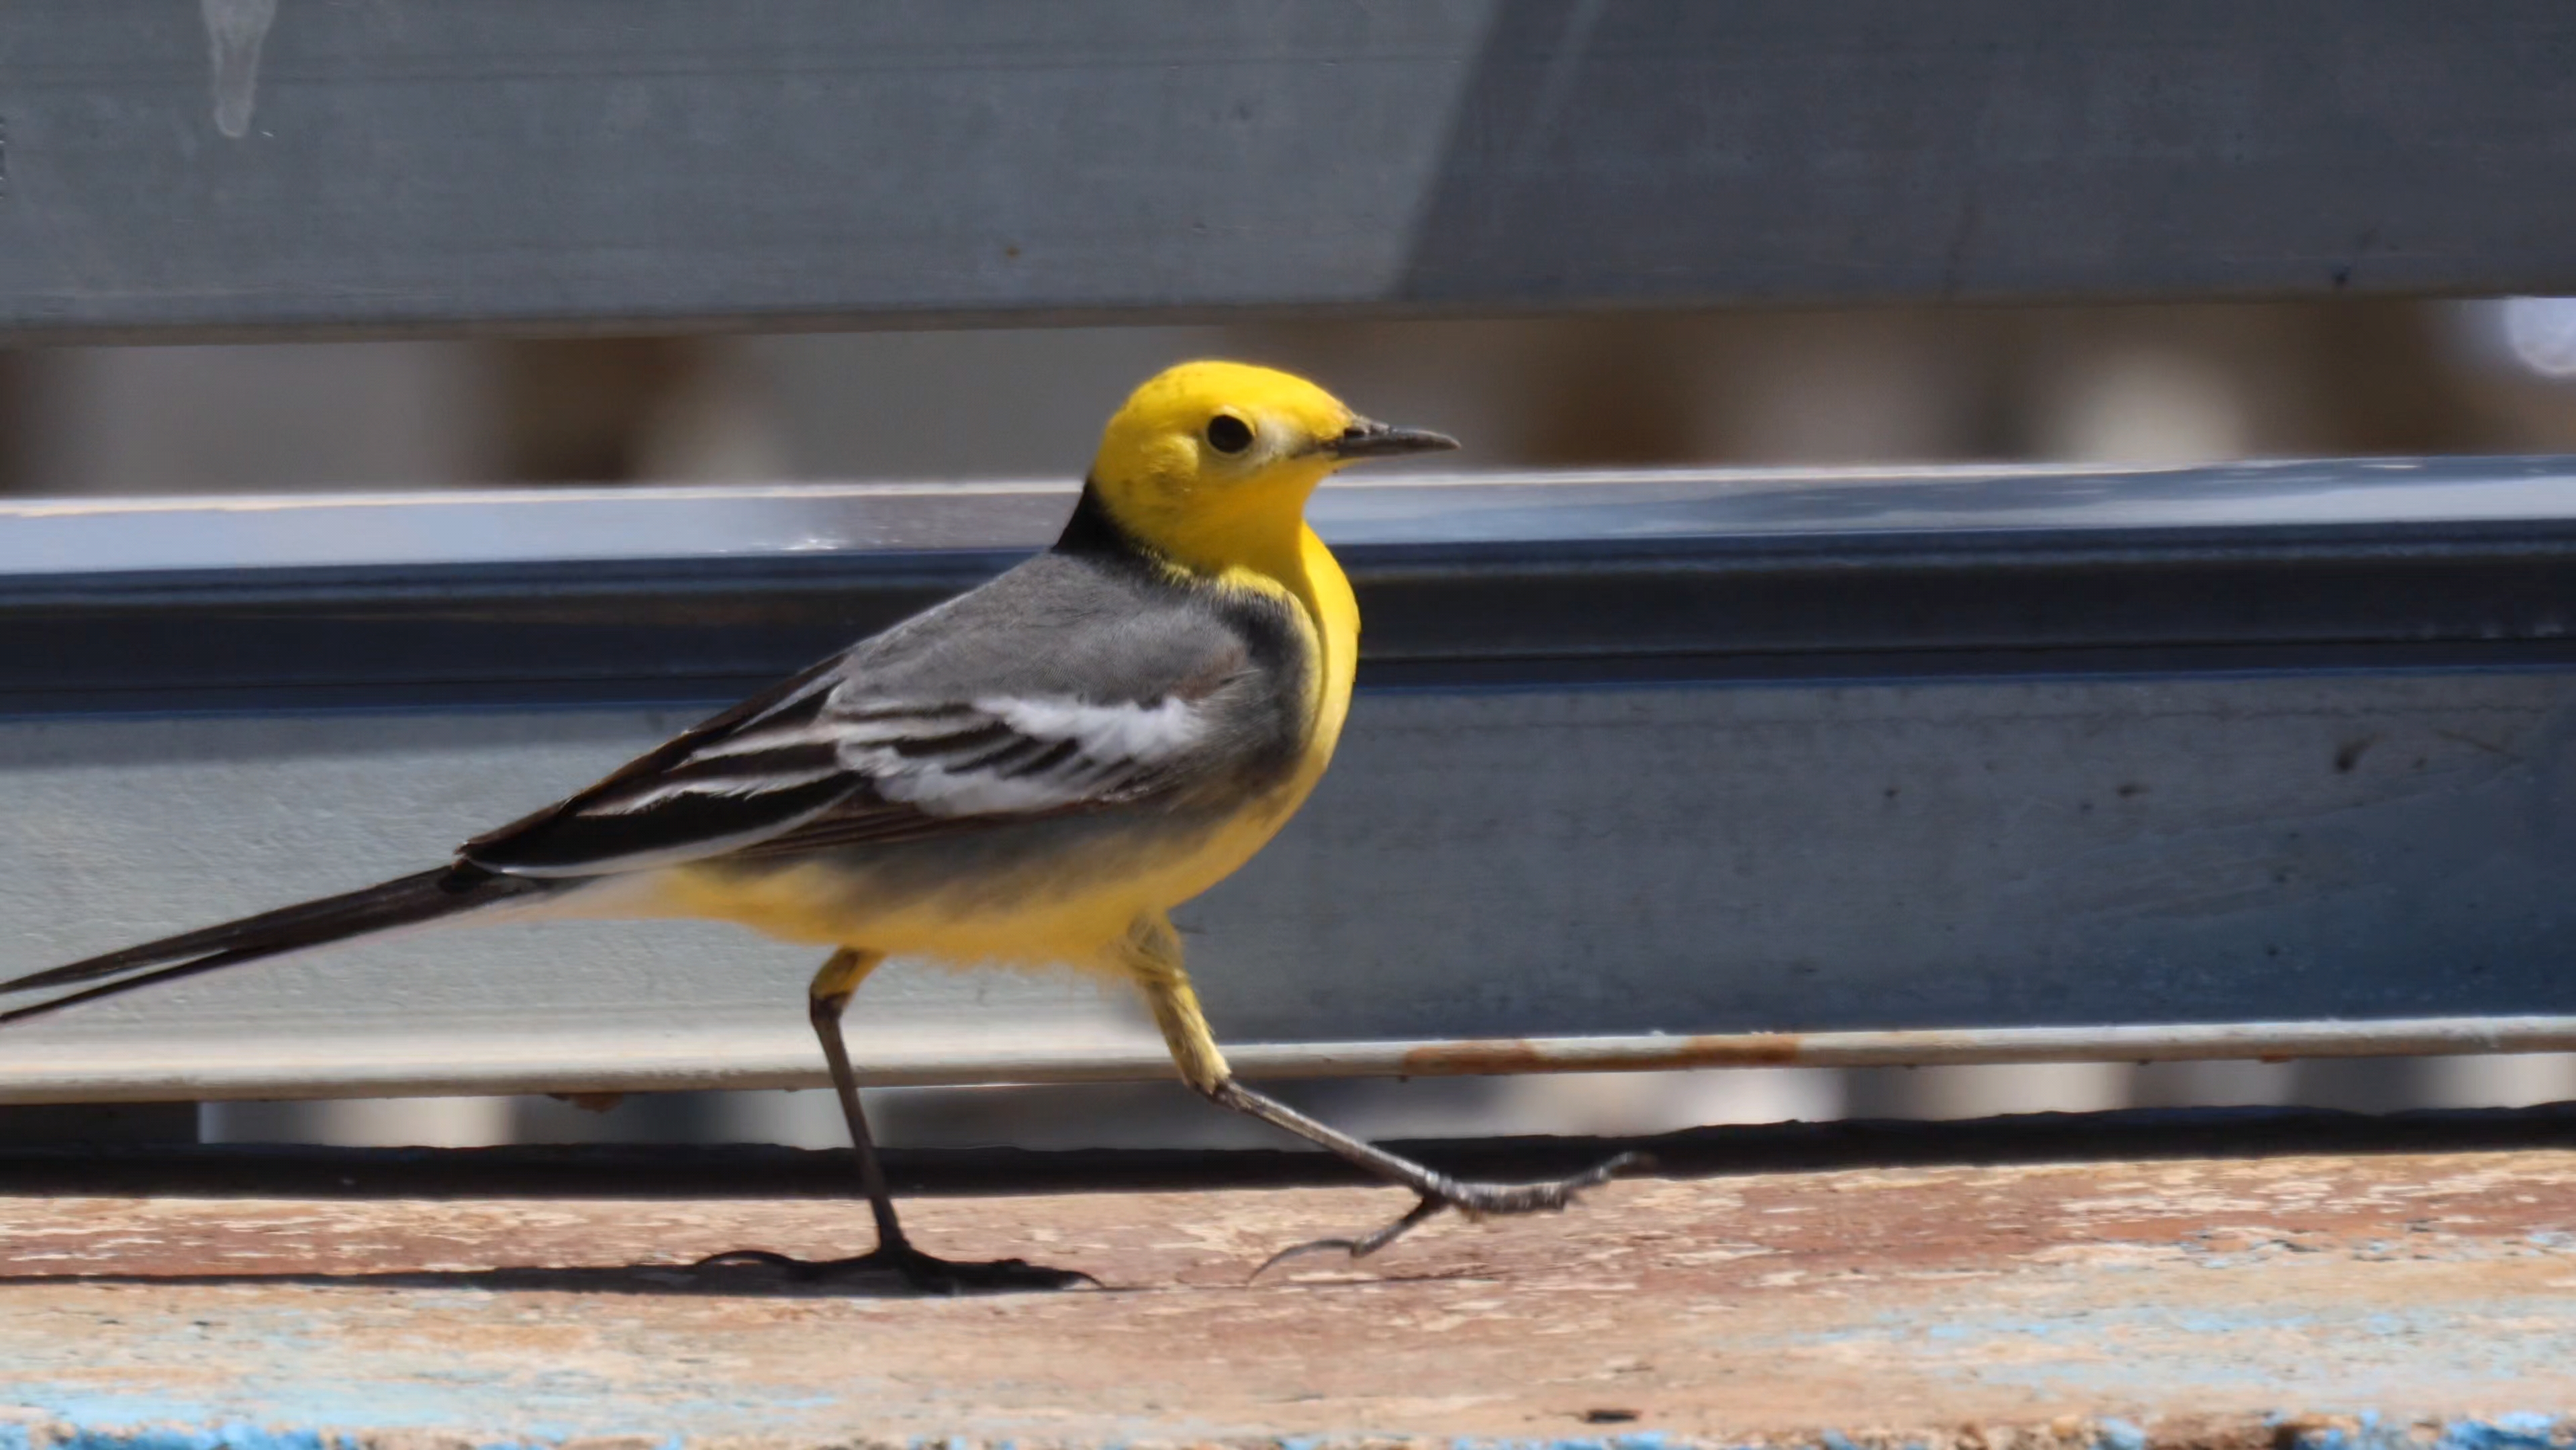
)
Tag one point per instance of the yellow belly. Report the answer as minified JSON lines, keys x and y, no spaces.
{"x":1032,"y":912}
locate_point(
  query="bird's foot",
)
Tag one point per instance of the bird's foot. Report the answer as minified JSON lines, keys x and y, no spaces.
{"x":923,"y":1272}
{"x":1471,"y":1200}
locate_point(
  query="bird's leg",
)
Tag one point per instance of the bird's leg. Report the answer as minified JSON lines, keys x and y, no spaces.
{"x":1151,"y":953}
{"x":826,"y":1000}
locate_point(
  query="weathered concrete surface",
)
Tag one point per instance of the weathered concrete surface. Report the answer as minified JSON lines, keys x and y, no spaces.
{"x":2195,"y":1302}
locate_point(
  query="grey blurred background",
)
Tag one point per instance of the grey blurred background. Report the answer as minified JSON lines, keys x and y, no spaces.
{"x":2129,"y":384}
{"x":2162,"y":384}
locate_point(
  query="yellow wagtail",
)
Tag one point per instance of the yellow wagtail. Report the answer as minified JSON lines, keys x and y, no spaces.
{"x":1032,"y":773}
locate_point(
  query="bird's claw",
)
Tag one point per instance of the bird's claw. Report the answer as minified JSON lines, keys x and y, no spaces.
{"x":923,"y":1272}
{"x":1473,"y":1201}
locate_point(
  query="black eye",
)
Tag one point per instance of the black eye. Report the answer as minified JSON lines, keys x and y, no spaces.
{"x":1227,"y":433}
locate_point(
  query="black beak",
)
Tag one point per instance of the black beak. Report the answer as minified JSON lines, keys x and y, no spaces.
{"x":1365,"y":439}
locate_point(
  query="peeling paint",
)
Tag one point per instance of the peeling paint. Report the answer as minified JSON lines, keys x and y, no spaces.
{"x":2316,"y":1302}
{"x":2530,"y":1431}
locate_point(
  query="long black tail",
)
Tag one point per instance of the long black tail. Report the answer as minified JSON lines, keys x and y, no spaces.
{"x":403,"y":901}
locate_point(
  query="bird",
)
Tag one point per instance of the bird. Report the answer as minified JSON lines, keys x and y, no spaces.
{"x":1031,"y":773}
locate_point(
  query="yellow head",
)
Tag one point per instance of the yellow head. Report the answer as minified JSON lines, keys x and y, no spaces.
{"x":1210,"y":463}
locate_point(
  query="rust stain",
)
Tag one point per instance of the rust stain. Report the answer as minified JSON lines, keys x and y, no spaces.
{"x":1469,"y":1058}
{"x":1743,"y":1049}
{"x":1496,"y":1055}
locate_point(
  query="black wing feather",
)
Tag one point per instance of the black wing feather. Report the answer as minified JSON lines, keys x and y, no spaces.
{"x":403,"y":901}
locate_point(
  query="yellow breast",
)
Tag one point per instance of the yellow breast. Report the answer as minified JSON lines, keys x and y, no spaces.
{"x":1335,"y":612}
{"x":1328,"y":621}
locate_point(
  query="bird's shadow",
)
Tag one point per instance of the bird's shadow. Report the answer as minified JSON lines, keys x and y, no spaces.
{"x":723,"y":1280}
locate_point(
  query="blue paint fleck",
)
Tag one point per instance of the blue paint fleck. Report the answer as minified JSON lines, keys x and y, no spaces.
{"x":2367,"y":1431}
{"x":2504,"y":1432}
{"x":226,"y":1437}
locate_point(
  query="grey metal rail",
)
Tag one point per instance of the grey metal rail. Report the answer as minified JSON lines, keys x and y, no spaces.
{"x":256,"y":168}
{"x":1650,"y":770}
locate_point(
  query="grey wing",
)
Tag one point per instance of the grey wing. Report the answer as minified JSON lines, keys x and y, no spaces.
{"x":958,"y":722}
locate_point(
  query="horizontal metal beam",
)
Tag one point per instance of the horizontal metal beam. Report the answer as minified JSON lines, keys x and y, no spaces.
{"x":689,"y":595}
{"x":257,"y":169}
{"x":1655,"y":771}
{"x":208,"y":1069}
